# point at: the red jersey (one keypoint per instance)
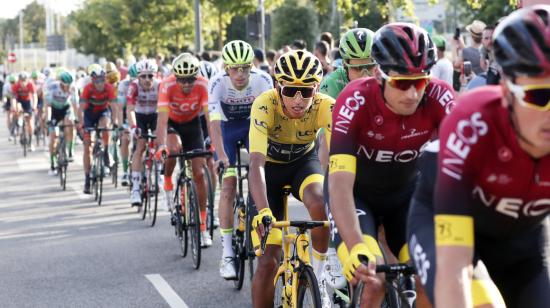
(97, 101)
(182, 107)
(380, 146)
(483, 172)
(23, 93)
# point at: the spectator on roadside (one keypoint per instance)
(163, 71)
(443, 68)
(205, 56)
(487, 61)
(123, 70)
(327, 37)
(298, 44)
(270, 57)
(321, 52)
(336, 58)
(471, 53)
(259, 60)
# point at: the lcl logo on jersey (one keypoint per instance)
(513, 207)
(305, 135)
(466, 134)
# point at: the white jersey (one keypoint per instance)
(6, 90)
(122, 91)
(59, 99)
(226, 103)
(145, 101)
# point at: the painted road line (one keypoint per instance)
(166, 291)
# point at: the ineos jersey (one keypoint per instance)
(378, 145)
(144, 100)
(483, 173)
(227, 103)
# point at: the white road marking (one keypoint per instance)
(166, 291)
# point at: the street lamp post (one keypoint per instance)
(198, 41)
(262, 24)
(21, 58)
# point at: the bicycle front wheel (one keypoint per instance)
(210, 201)
(194, 223)
(308, 289)
(250, 255)
(238, 244)
(101, 175)
(154, 189)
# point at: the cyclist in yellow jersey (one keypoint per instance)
(283, 126)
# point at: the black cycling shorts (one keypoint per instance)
(26, 106)
(298, 174)
(146, 121)
(190, 134)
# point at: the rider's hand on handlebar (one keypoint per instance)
(135, 131)
(257, 222)
(162, 152)
(354, 268)
(223, 162)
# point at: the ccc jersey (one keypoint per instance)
(484, 174)
(281, 139)
(182, 107)
(97, 101)
(227, 103)
(378, 145)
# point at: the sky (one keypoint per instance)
(10, 8)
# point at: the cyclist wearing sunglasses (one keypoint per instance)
(492, 194)
(95, 101)
(380, 126)
(61, 101)
(231, 93)
(25, 95)
(122, 91)
(283, 127)
(355, 49)
(142, 97)
(181, 98)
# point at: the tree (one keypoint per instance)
(293, 21)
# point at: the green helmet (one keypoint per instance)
(132, 71)
(356, 44)
(34, 75)
(11, 78)
(237, 52)
(65, 77)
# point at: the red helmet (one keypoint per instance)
(404, 48)
(521, 42)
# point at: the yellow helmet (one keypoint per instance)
(110, 67)
(299, 67)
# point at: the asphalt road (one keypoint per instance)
(59, 249)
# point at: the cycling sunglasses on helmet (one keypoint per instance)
(404, 83)
(535, 96)
(291, 91)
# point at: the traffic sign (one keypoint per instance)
(11, 57)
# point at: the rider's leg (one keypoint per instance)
(199, 178)
(137, 164)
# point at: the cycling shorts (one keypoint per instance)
(39, 103)
(190, 134)
(232, 132)
(7, 105)
(26, 106)
(146, 121)
(58, 115)
(91, 119)
(204, 126)
(373, 210)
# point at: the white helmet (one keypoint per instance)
(207, 69)
(185, 65)
(146, 67)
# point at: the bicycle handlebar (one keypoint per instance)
(191, 154)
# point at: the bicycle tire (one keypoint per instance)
(308, 289)
(95, 177)
(148, 186)
(62, 164)
(100, 179)
(194, 223)
(23, 138)
(210, 202)
(144, 204)
(114, 170)
(181, 221)
(250, 254)
(156, 175)
(238, 245)
(278, 298)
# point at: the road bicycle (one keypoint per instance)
(150, 180)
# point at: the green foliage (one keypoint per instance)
(488, 11)
(291, 22)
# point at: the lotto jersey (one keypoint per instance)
(59, 99)
(145, 101)
(227, 103)
(334, 83)
(483, 172)
(282, 139)
(182, 107)
(23, 93)
(97, 101)
(378, 145)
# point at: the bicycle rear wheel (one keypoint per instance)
(308, 289)
(101, 175)
(194, 223)
(62, 164)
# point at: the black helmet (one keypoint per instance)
(521, 42)
(404, 48)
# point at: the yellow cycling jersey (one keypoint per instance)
(283, 140)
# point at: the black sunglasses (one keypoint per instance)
(291, 91)
(182, 80)
(149, 76)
